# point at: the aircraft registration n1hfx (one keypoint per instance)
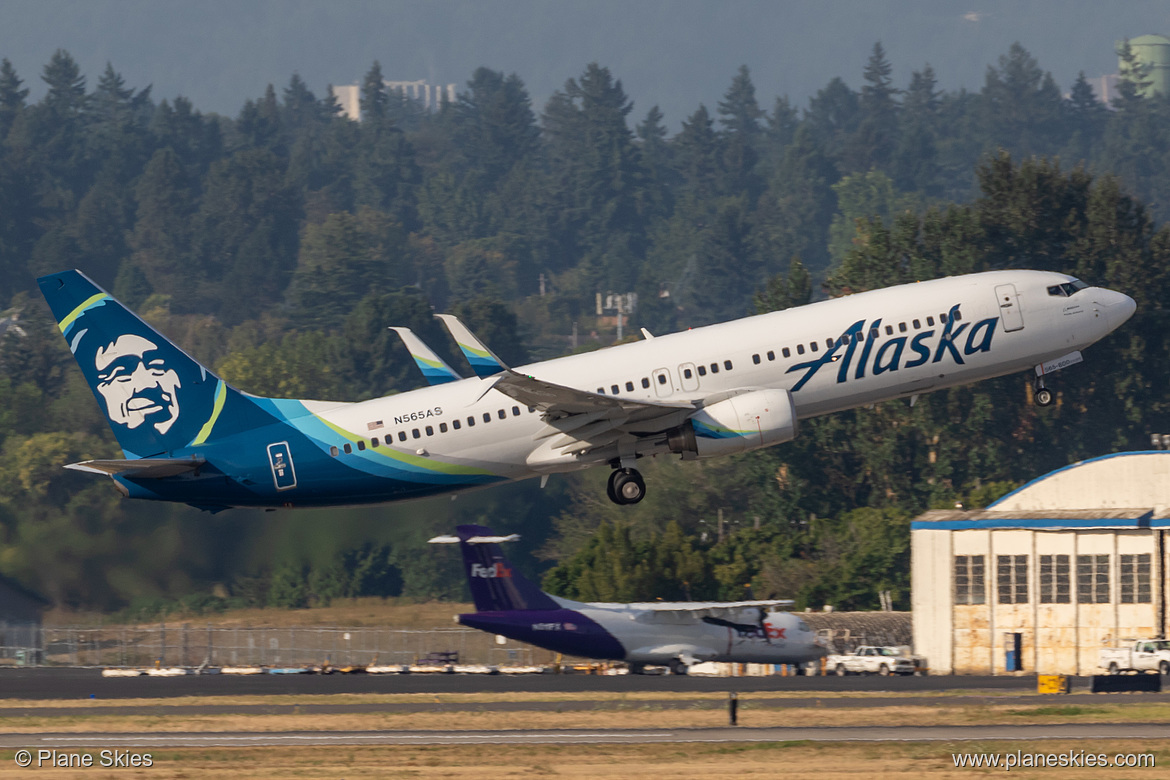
(674, 634)
(188, 436)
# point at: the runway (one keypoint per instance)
(64, 741)
(81, 683)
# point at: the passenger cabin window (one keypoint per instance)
(361, 444)
(470, 422)
(402, 436)
(442, 427)
(930, 322)
(662, 379)
(645, 382)
(814, 346)
(515, 411)
(456, 424)
(348, 449)
(942, 319)
(487, 417)
(702, 371)
(613, 389)
(416, 434)
(374, 442)
(901, 327)
(800, 349)
(756, 359)
(727, 365)
(714, 368)
(687, 373)
(873, 333)
(786, 352)
(629, 387)
(601, 391)
(502, 414)
(917, 324)
(771, 355)
(430, 431)
(333, 451)
(889, 330)
(958, 315)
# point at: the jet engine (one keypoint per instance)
(759, 418)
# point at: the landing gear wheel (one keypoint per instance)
(626, 486)
(1164, 667)
(840, 670)
(637, 668)
(884, 671)
(1043, 396)
(1113, 668)
(677, 666)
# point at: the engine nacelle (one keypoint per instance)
(744, 422)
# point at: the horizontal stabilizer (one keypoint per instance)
(483, 361)
(140, 468)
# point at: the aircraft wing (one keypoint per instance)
(140, 468)
(709, 607)
(433, 369)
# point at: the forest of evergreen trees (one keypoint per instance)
(279, 245)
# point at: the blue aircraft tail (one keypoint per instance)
(495, 585)
(157, 398)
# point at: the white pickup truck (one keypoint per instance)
(869, 659)
(1142, 655)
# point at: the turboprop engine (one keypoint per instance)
(749, 421)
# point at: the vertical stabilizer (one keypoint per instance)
(156, 397)
(495, 585)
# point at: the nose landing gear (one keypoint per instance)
(1041, 393)
(626, 486)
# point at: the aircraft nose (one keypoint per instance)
(1116, 307)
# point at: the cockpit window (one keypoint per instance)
(1067, 289)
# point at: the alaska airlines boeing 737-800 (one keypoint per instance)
(718, 390)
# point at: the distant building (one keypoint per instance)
(20, 623)
(429, 95)
(1153, 51)
(1044, 578)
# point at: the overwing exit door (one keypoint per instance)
(280, 459)
(1009, 307)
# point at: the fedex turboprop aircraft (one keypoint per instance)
(718, 390)
(674, 634)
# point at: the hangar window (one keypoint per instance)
(1054, 579)
(1011, 574)
(969, 587)
(1135, 579)
(1093, 579)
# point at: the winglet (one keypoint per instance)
(483, 361)
(433, 369)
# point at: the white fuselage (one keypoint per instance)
(1007, 321)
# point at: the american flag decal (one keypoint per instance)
(375, 425)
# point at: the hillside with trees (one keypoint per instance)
(278, 246)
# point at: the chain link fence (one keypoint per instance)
(189, 644)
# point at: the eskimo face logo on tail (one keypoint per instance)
(136, 383)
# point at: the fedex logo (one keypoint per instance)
(495, 571)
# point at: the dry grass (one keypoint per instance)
(611, 715)
(798, 760)
(351, 613)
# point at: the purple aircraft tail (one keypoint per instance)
(495, 585)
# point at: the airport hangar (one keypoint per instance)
(1041, 580)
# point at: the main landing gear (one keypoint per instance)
(626, 486)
